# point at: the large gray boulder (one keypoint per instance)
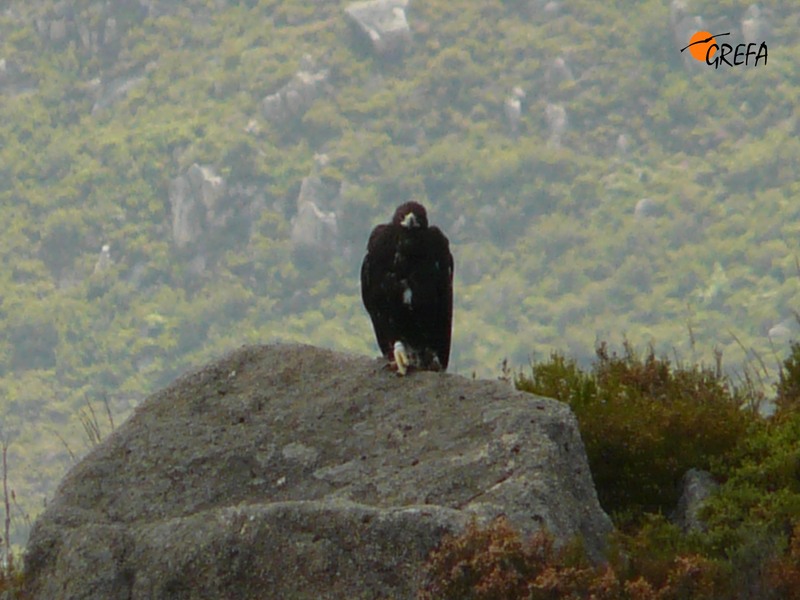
(287, 471)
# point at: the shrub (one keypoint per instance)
(494, 563)
(644, 422)
(11, 580)
(751, 516)
(483, 564)
(783, 574)
(788, 388)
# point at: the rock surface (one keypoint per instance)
(383, 23)
(556, 116)
(313, 227)
(296, 97)
(197, 204)
(287, 471)
(697, 486)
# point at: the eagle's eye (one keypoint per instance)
(410, 220)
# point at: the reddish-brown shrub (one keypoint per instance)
(493, 563)
(783, 573)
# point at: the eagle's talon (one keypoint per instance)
(401, 358)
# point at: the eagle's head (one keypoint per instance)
(411, 215)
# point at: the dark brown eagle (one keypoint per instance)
(407, 288)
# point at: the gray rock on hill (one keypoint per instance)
(287, 471)
(383, 23)
(313, 227)
(295, 98)
(197, 204)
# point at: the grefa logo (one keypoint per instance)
(703, 46)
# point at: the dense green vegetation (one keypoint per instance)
(637, 411)
(103, 105)
(645, 423)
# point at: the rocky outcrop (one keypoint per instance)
(287, 471)
(785, 331)
(103, 260)
(647, 207)
(559, 74)
(697, 486)
(296, 97)
(93, 26)
(684, 24)
(196, 201)
(314, 228)
(383, 23)
(755, 25)
(512, 107)
(557, 122)
(109, 94)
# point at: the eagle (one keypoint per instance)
(407, 289)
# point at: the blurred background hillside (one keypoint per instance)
(181, 178)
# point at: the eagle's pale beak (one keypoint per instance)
(409, 221)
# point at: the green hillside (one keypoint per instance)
(104, 105)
